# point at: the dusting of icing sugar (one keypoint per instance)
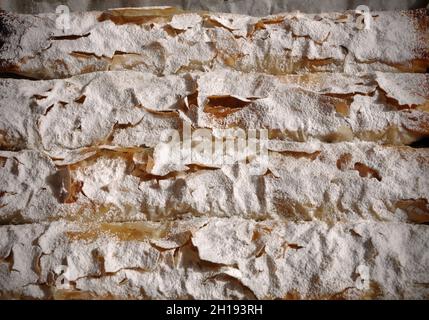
(394, 38)
(92, 207)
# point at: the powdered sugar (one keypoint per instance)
(93, 207)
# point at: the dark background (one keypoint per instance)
(251, 7)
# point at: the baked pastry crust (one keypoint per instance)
(196, 260)
(94, 206)
(133, 108)
(164, 42)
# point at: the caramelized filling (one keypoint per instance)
(139, 16)
(300, 154)
(416, 209)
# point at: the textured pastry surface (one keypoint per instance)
(93, 205)
(163, 41)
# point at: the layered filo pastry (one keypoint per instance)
(152, 153)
